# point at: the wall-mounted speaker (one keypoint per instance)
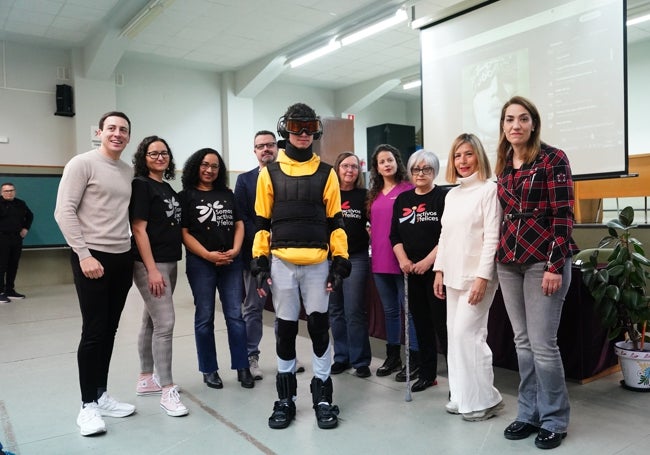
(64, 103)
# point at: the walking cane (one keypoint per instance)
(406, 338)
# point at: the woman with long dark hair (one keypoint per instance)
(535, 189)
(388, 179)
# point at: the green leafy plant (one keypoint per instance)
(619, 288)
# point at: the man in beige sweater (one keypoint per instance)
(92, 213)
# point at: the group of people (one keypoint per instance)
(297, 229)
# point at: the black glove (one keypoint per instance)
(340, 268)
(261, 270)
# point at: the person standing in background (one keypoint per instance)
(347, 307)
(535, 189)
(388, 179)
(265, 148)
(92, 211)
(465, 265)
(155, 215)
(15, 221)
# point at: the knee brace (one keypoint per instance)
(318, 325)
(285, 346)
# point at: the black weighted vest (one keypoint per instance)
(299, 219)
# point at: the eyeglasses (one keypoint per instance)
(205, 166)
(350, 167)
(298, 126)
(269, 145)
(156, 155)
(426, 170)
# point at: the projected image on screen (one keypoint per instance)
(486, 86)
(566, 56)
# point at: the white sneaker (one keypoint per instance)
(109, 407)
(253, 365)
(148, 385)
(452, 407)
(483, 414)
(172, 404)
(90, 421)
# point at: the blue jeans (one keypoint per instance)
(543, 397)
(390, 288)
(348, 316)
(205, 278)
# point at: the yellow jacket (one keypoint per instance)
(264, 199)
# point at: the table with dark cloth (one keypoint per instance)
(586, 351)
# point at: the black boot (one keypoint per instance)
(393, 360)
(321, 394)
(414, 367)
(284, 410)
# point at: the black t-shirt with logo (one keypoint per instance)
(416, 222)
(210, 217)
(355, 218)
(158, 204)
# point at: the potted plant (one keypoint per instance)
(619, 290)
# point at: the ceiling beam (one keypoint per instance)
(253, 78)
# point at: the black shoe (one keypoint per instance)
(326, 415)
(213, 380)
(339, 367)
(4, 298)
(363, 372)
(401, 376)
(393, 361)
(548, 439)
(245, 377)
(13, 295)
(284, 411)
(423, 384)
(519, 430)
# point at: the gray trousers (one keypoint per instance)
(158, 317)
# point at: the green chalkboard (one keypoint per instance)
(39, 193)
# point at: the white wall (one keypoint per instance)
(27, 105)
(180, 105)
(638, 98)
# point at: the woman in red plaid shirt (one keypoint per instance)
(535, 189)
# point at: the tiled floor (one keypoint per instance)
(39, 399)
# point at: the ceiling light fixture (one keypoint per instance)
(412, 84)
(144, 18)
(398, 17)
(333, 45)
(638, 20)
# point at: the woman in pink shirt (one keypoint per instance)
(387, 180)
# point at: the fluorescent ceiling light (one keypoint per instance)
(399, 16)
(144, 18)
(313, 55)
(412, 84)
(638, 20)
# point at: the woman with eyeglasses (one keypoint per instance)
(414, 234)
(388, 179)
(347, 306)
(155, 216)
(213, 233)
(465, 266)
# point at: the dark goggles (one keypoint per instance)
(298, 126)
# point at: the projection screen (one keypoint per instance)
(568, 57)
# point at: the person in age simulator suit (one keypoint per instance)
(299, 224)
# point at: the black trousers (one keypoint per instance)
(101, 302)
(11, 246)
(430, 319)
